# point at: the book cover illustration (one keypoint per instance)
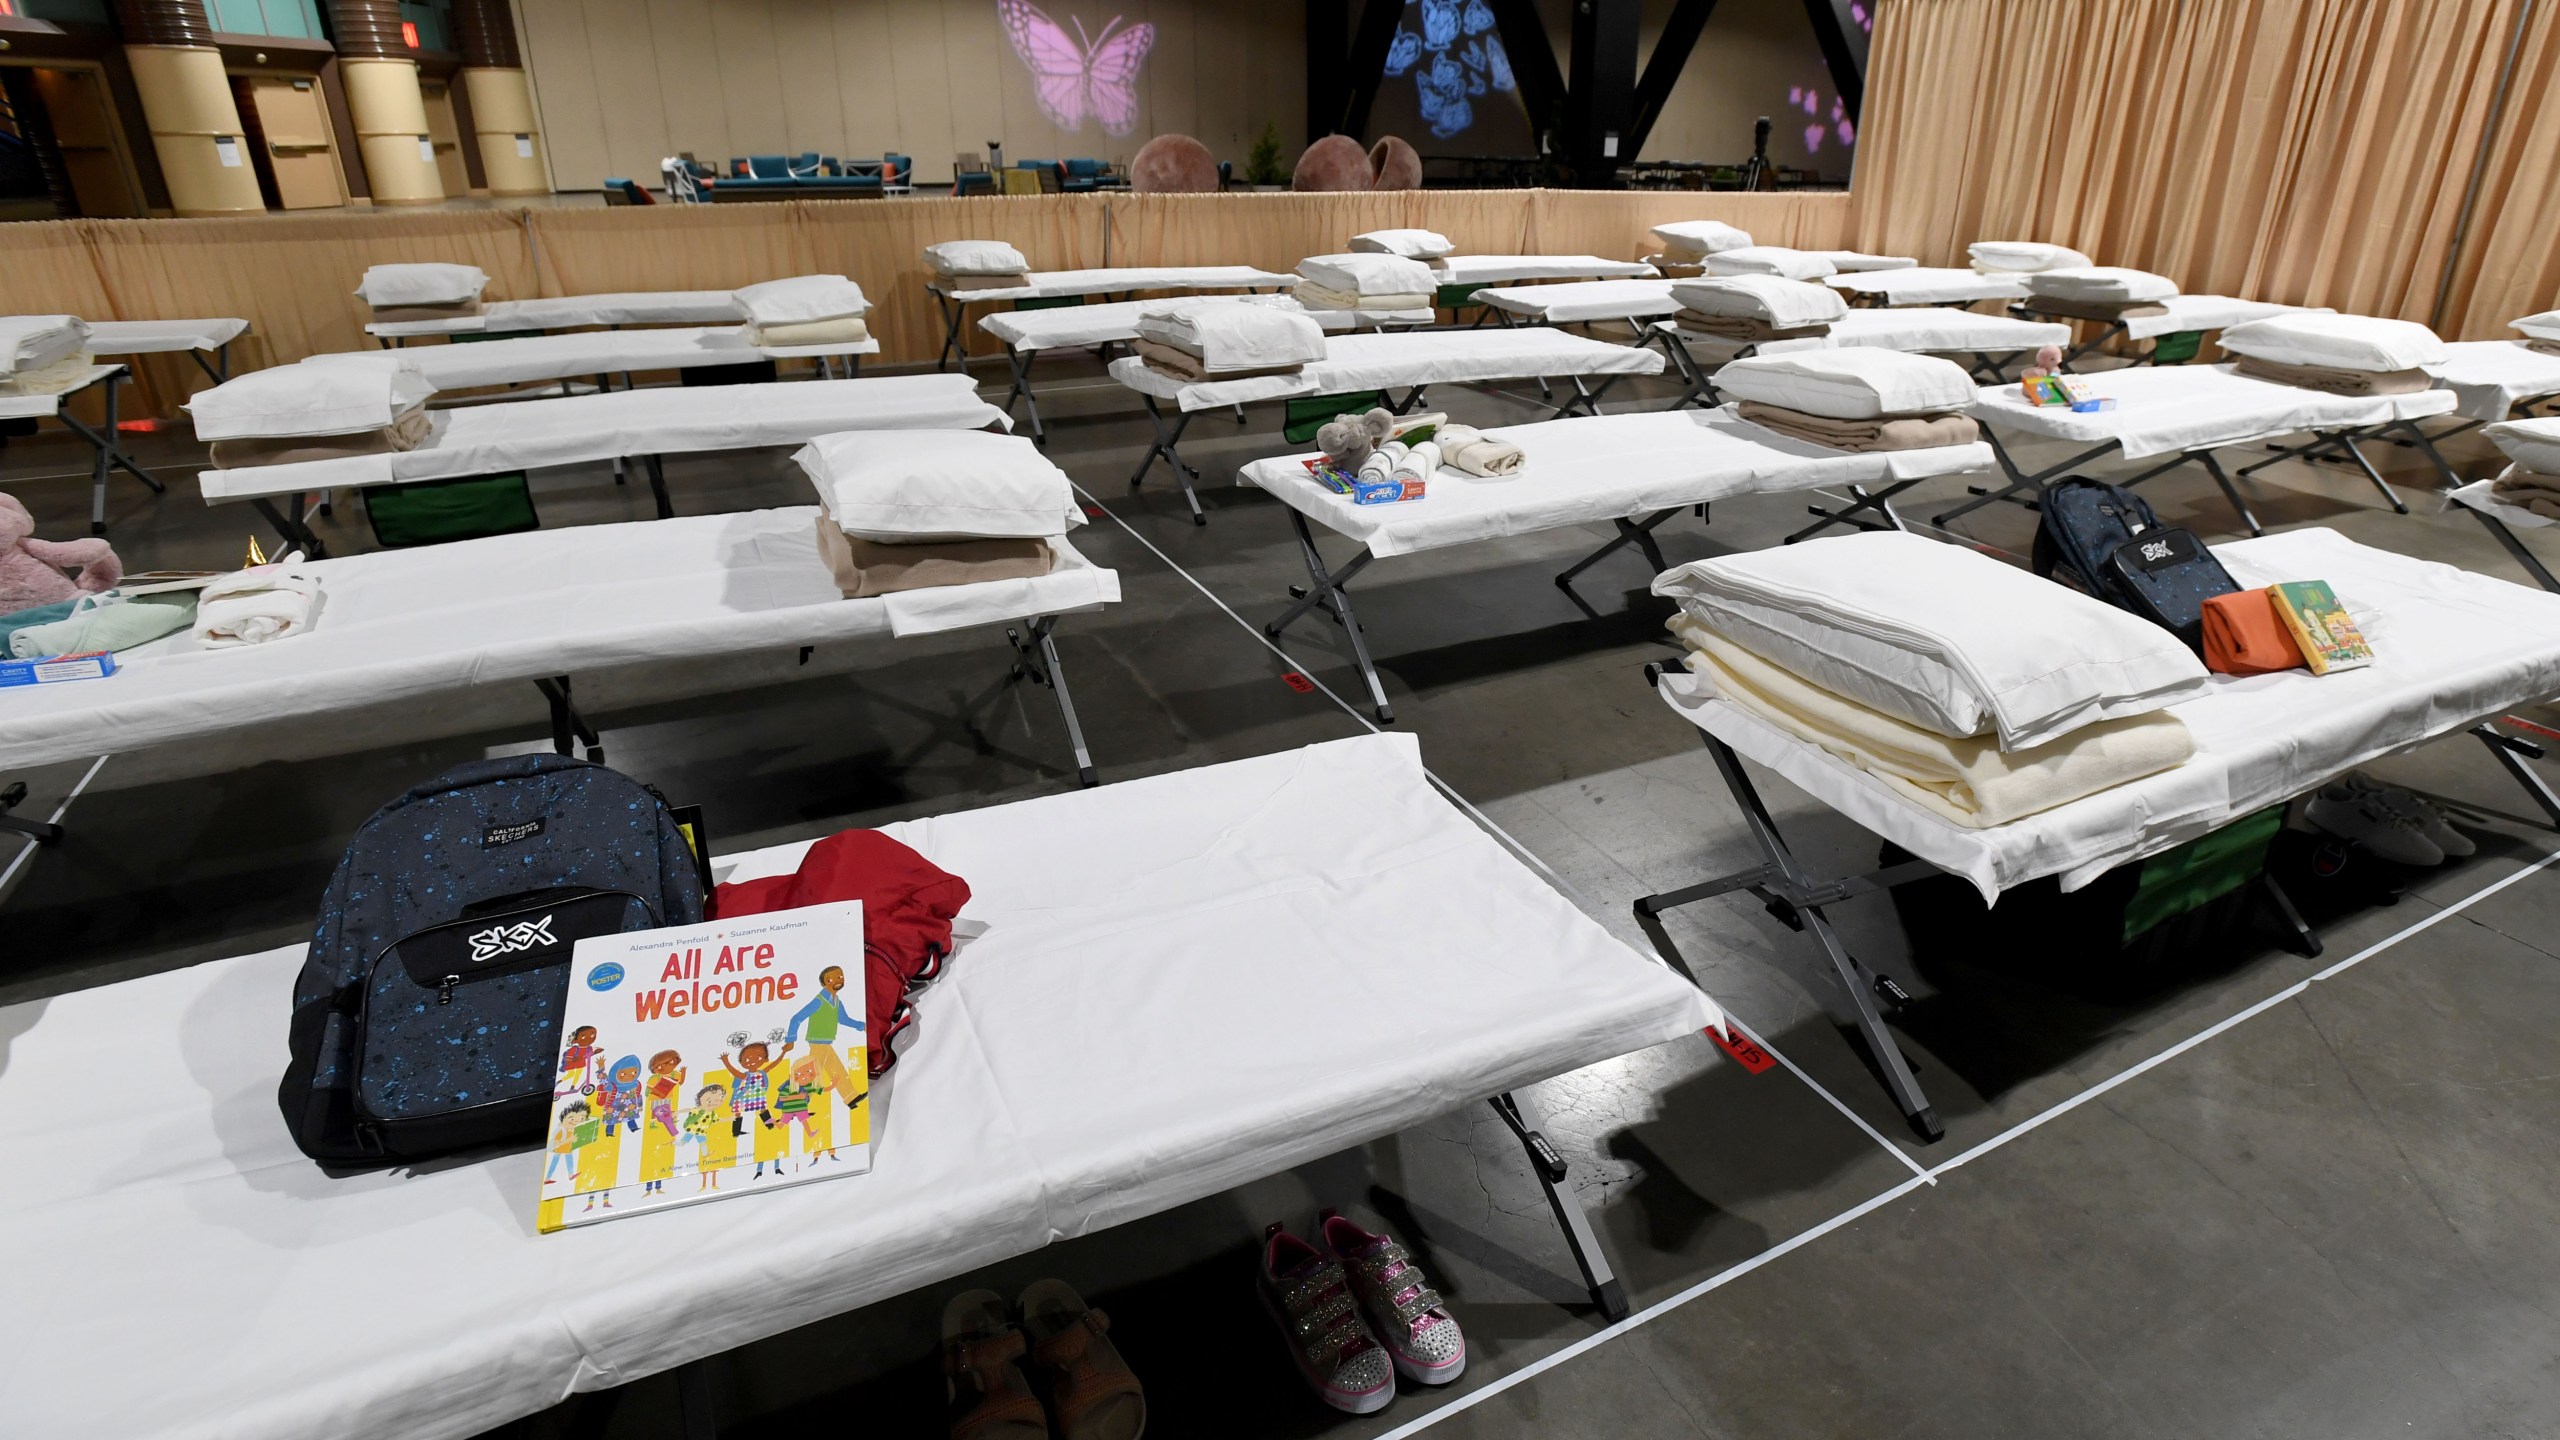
(704, 1061)
(2326, 633)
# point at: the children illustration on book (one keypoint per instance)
(574, 1117)
(666, 1081)
(624, 1107)
(824, 1015)
(575, 1058)
(705, 1123)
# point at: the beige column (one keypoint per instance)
(382, 97)
(501, 98)
(186, 100)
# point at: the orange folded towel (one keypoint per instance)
(2243, 636)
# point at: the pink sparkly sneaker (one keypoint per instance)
(1421, 1336)
(1310, 1298)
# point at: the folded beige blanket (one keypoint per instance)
(1963, 782)
(394, 314)
(2536, 492)
(1888, 432)
(1183, 365)
(867, 567)
(2100, 310)
(1467, 448)
(984, 282)
(2547, 347)
(1317, 297)
(50, 379)
(844, 330)
(1748, 329)
(2329, 380)
(406, 433)
(1686, 267)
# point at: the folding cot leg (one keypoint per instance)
(39, 831)
(2512, 751)
(2019, 480)
(217, 374)
(1549, 1164)
(1638, 533)
(693, 1400)
(1166, 441)
(1036, 660)
(2348, 444)
(2230, 491)
(1862, 500)
(953, 313)
(290, 525)
(2427, 443)
(2103, 336)
(2515, 546)
(2305, 940)
(1021, 365)
(1331, 593)
(1794, 897)
(658, 487)
(566, 723)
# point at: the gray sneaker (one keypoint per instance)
(2353, 809)
(2431, 822)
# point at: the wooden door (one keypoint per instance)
(445, 133)
(300, 148)
(84, 131)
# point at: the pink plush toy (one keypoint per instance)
(33, 572)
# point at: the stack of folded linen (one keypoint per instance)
(2337, 354)
(42, 354)
(294, 413)
(1855, 399)
(2101, 292)
(1686, 244)
(1470, 451)
(912, 510)
(2541, 332)
(2533, 481)
(1222, 339)
(1411, 244)
(977, 265)
(1365, 280)
(1751, 309)
(1854, 262)
(805, 310)
(2024, 257)
(400, 293)
(258, 606)
(1775, 260)
(1967, 687)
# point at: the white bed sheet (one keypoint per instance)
(2491, 377)
(1171, 909)
(563, 312)
(45, 407)
(1920, 329)
(1582, 301)
(1506, 269)
(2164, 409)
(2482, 495)
(1393, 360)
(586, 352)
(2451, 648)
(1603, 467)
(1056, 284)
(2208, 312)
(1076, 326)
(533, 434)
(399, 623)
(162, 337)
(1930, 285)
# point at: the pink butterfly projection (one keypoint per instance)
(1074, 74)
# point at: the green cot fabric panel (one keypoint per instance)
(1308, 413)
(2177, 348)
(437, 511)
(2201, 871)
(1452, 297)
(1053, 302)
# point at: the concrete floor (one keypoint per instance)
(2236, 1192)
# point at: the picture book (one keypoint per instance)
(704, 1061)
(2321, 626)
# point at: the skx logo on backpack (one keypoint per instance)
(507, 939)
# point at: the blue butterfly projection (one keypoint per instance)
(1446, 72)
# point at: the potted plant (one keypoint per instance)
(1262, 168)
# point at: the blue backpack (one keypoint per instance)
(2106, 540)
(426, 1018)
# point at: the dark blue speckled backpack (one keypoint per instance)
(426, 1019)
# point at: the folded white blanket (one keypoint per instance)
(1366, 273)
(256, 606)
(421, 284)
(1231, 336)
(1784, 304)
(47, 379)
(2545, 326)
(801, 299)
(1696, 239)
(975, 257)
(1971, 783)
(34, 342)
(1775, 260)
(1411, 244)
(2105, 284)
(2022, 257)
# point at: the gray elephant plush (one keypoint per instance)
(1349, 439)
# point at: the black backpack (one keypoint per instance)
(427, 1016)
(2107, 540)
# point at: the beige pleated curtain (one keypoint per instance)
(2311, 151)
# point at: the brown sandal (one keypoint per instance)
(989, 1398)
(1091, 1393)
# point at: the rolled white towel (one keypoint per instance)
(1464, 447)
(1421, 461)
(1382, 462)
(256, 606)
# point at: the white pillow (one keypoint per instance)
(1227, 335)
(1770, 260)
(1695, 238)
(342, 399)
(2533, 444)
(912, 487)
(1370, 274)
(1411, 244)
(1939, 635)
(1786, 304)
(2338, 342)
(2024, 256)
(2545, 326)
(1859, 383)
(422, 284)
(975, 257)
(2106, 284)
(32, 342)
(1853, 262)
(801, 299)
